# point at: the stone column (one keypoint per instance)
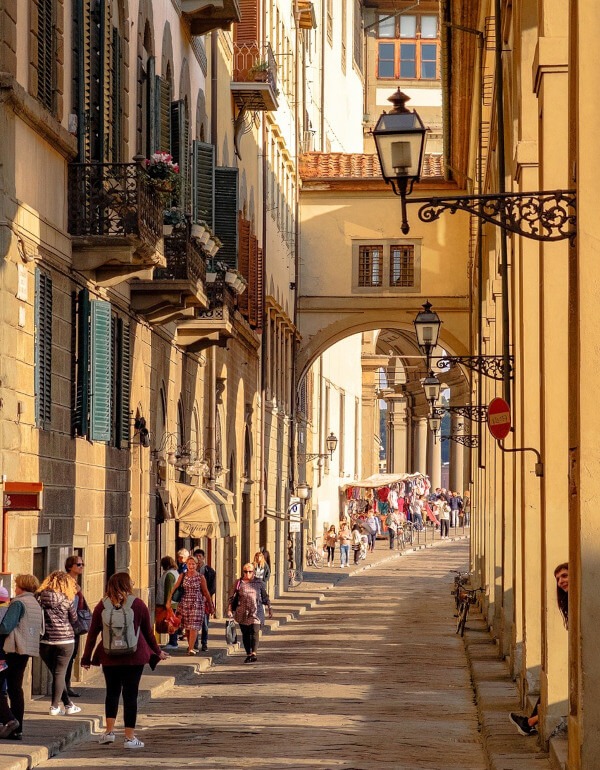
(397, 433)
(434, 460)
(457, 454)
(419, 458)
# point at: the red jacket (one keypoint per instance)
(147, 650)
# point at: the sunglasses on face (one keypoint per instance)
(248, 571)
(80, 564)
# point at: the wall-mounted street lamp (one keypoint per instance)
(400, 139)
(331, 442)
(303, 491)
(432, 387)
(427, 328)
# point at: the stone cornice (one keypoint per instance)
(36, 116)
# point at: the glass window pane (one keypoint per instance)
(429, 26)
(428, 61)
(387, 25)
(408, 64)
(408, 26)
(385, 67)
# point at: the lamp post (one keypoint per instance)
(331, 442)
(427, 325)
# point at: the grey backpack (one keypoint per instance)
(119, 636)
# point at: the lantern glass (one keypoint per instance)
(332, 443)
(432, 387)
(427, 327)
(434, 424)
(400, 138)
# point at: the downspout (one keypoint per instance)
(501, 190)
(214, 42)
(322, 105)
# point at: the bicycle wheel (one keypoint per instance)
(294, 577)
(317, 558)
(310, 559)
(462, 618)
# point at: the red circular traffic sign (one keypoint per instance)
(498, 418)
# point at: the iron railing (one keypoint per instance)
(220, 297)
(114, 200)
(254, 63)
(185, 259)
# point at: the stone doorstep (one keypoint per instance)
(559, 752)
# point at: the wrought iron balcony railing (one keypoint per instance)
(112, 200)
(254, 84)
(222, 301)
(185, 259)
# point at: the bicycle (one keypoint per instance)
(405, 534)
(295, 577)
(468, 596)
(314, 557)
(460, 580)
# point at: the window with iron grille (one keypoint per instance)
(402, 265)
(46, 53)
(43, 349)
(370, 266)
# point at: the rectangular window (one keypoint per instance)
(370, 266)
(429, 26)
(386, 64)
(46, 53)
(428, 61)
(43, 349)
(408, 60)
(402, 265)
(344, 25)
(358, 36)
(387, 25)
(408, 26)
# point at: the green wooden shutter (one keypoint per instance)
(203, 185)
(117, 100)
(180, 149)
(46, 53)
(226, 213)
(163, 114)
(82, 365)
(43, 348)
(100, 370)
(151, 112)
(123, 400)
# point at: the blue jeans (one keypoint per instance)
(418, 521)
(202, 638)
(344, 554)
(392, 535)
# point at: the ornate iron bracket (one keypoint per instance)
(466, 440)
(314, 456)
(544, 215)
(489, 366)
(474, 413)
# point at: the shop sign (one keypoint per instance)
(21, 496)
(295, 514)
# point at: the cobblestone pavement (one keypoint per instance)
(373, 676)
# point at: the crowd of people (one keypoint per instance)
(47, 620)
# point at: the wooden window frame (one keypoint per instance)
(366, 266)
(418, 41)
(405, 268)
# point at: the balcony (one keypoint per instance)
(206, 15)
(213, 326)
(115, 220)
(254, 84)
(176, 289)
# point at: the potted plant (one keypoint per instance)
(259, 72)
(213, 245)
(200, 230)
(162, 171)
(173, 217)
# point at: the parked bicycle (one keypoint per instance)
(314, 556)
(460, 579)
(295, 577)
(405, 535)
(468, 596)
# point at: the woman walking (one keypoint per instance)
(191, 608)
(344, 541)
(164, 589)
(74, 568)
(20, 628)
(355, 541)
(261, 568)
(443, 514)
(56, 595)
(122, 673)
(329, 541)
(247, 599)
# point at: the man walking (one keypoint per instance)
(211, 583)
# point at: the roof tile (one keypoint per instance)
(340, 165)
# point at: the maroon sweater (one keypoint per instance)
(147, 650)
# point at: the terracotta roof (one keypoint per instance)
(340, 165)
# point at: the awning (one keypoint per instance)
(196, 512)
(223, 499)
(381, 480)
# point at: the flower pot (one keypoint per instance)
(231, 278)
(199, 232)
(214, 247)
(205, 237)
(167, 230)
(241, 288)
(211, 277)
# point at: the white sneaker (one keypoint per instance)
(171, 647)
(72, 709)
(107, 738)
(133, 743)
(56, 711)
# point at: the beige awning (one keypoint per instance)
(196, 511)
(223, 499)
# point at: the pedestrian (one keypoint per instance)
(261, 568)
(528, 725)
(164, 589)
(122, 673)
(456, 505)
(8, 723)
(344, 541)
(20, 628)
(330, 538)
(74, 567)
(416, 509)
(195, 598)
(467, 508)
(355, 541)
(247, 599)
(392, 522)
(211, 583)
(443, 513)
(56, 596)
(371, 529)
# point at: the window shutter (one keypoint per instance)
(246, 30)
(100, 370)
(163, 114)
(256, 285)
(203, 191)
(152, 113)
(82, 365)
(226, 213)
(46, 54)
(124, 384)
(116, 87)
(180, 149)
(43, 348)
(244, 262)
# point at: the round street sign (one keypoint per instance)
(498, 418)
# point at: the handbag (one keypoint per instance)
(173, 622)
(177, 594)
(84, 621)
(235, 599)
(230, 632)
(166, 621)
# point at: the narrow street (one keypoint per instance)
(373, 677)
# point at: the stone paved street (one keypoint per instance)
(372, 677)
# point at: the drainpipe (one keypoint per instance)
(501, 190)
(214, 44)
(323, 35)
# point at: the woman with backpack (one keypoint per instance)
(127, 644)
